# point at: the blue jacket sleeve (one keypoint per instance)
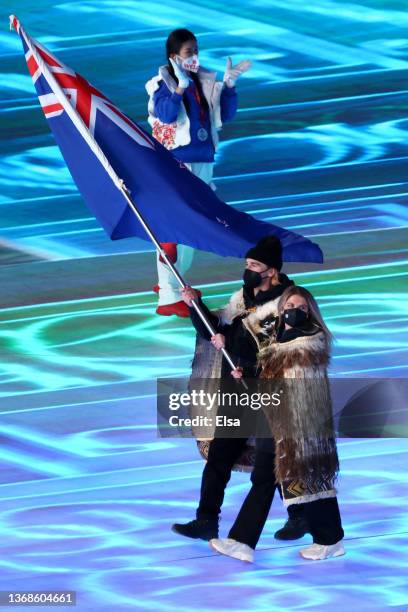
(166, 104)
(229, 103)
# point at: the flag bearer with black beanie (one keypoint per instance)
(241, 327)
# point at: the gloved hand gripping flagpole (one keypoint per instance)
(119, 183)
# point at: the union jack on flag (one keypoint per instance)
(105, 150)
(85, 98)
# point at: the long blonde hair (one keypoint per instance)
(315, 316)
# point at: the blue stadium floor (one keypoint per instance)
(88, 496)
(88, 491)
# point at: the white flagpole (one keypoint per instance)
(119, 183)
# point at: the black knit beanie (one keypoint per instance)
(268, 251)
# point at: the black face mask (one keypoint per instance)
(295, 317)
(252, 279)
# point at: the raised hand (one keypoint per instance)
(180, 74)
(188, 294)
(233, 72)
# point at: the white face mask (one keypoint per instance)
(191, 63)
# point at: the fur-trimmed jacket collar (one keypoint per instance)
(257, 320)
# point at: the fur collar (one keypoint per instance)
(253, 320)
(236, 307)
(302, 352)
(314, 343)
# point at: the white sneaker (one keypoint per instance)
(317, 552)
(232, 548)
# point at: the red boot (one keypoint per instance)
(170, 248)
(178, 308)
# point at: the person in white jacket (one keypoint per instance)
(187, 106)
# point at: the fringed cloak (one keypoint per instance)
(207, 363)
(306, 461)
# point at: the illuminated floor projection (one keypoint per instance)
(320, 146)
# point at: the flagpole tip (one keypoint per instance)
(13, 22)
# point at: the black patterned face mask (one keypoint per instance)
(295, 317)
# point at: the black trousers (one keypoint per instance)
(222, 455)
(322, 515)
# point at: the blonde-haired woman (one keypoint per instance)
(301, 454)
